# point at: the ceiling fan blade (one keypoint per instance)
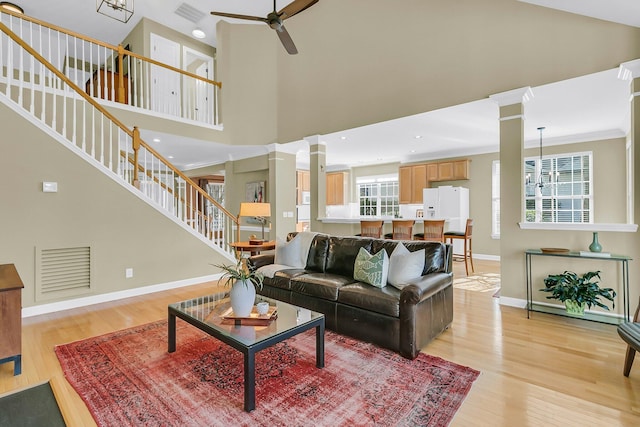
(286, 40)
(233, 15)
(295, 7)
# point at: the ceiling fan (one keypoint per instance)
(274, 20)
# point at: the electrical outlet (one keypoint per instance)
(128, 273)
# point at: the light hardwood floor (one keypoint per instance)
(543, 371)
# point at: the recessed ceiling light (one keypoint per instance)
(343, 138)
(413, 151)
(156, 139)
(170, 157)
(198, 33)
(418, 136)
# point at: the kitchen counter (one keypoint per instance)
(331, 220)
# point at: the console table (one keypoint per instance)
(622, 259)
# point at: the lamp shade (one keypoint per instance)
(255, 209)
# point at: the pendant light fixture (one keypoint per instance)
(120, 10)
(540, 181)
(11, 6)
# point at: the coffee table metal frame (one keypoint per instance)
(248, 350)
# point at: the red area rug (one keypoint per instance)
(127, 378)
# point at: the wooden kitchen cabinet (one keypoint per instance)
(336, 187)
(411, 180)
(461, 169)
(453, 170)
(11, 317)
(303, 184)
(432, 172)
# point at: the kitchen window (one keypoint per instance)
(378, 197)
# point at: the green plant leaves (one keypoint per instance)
(581, 289)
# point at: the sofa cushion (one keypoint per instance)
(385, 300)
(372, 269)
(282, 278)
(435, 254)
(405, 266)
(318, 253)
(320, 285)
(289, 253)
(342, 254)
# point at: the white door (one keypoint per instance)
(199, 96)
(165, 84)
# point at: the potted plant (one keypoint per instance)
(243, 283)
(577, 291)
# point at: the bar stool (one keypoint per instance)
(402, 230)
(466, 235)
(371, 228)
(433, 231)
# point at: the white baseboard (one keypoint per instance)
(113, 296)
(487, 257)
(513, 302)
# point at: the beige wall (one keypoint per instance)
(88, 209)
(439, 54)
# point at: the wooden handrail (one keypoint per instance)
(111, 117)
(119, 48)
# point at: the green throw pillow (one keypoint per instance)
(371, 269)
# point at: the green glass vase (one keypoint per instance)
(595, 246)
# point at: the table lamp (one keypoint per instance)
(257, 210)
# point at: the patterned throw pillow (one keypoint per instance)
(405, 266)
(371, 269)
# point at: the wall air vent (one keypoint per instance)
(190, 13)
(62, 272)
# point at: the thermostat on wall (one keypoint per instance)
(49, 187)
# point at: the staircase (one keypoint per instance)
(35, 80)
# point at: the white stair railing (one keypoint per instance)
(112, 73)
(37, 87)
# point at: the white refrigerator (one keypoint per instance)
(448, 203)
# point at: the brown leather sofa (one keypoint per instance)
(403, 321)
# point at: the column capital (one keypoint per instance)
(515, 96)
(629, 70)
(314, 140)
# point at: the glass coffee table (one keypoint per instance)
(206, 313)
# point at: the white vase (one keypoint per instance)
(243, 295)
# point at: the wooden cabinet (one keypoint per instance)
(412, 179)
(104, 84)
(404, 182)
(432, 172)
(453, 170)
(303, 185)
(11, 317)
(461, 169)
(445, 171)
(336, 187)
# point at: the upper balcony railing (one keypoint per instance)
(112, 73)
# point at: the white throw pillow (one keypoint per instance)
(404, 266)
(371, 269)
(288, 253)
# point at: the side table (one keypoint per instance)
(253, 248)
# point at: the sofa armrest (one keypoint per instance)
(256, 261)
(427, 285)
